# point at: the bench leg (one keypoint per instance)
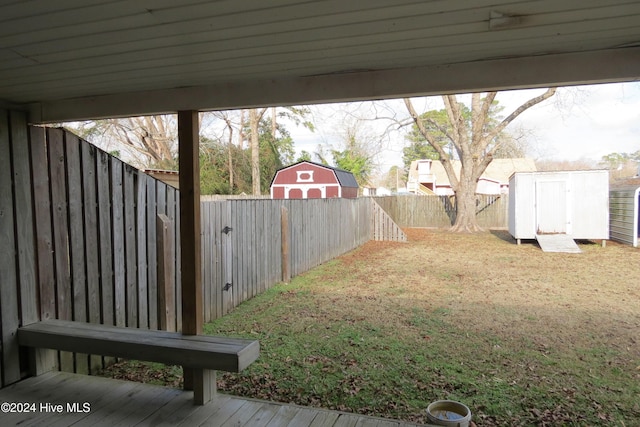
(42, 360)
(202, 382)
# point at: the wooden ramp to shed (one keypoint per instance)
(557, 243)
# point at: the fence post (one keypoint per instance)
(166, 274)
(284, 230)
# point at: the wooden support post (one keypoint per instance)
(190, 260)
(204, 385)
(166, 253)
(284, 226)
(190, 251)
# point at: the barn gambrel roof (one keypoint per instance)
(345, 178)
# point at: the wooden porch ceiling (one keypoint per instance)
(73, 59)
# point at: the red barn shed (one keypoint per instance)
(309, 180)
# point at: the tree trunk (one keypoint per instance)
(230, 154)
(274, 123)
(254, 120)
(466, 221)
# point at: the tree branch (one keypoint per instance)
(457, 123)
(530, 103)
(444, 157)
(480, 114)
(423, 130)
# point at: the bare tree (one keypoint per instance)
(147, 141)
(230, 126)
(152, 140)
(475, 141)
(255, 115)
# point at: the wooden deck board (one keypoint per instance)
(98, 400)
(347, 420)
(176, 410)
(264, 415)
(132, 410)
(240, 417)
(283, 417)
(115, 402)
(224, 407)
(302, 418)
(324, 419)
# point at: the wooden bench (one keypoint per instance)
(173, 348)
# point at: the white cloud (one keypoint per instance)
(591, 121)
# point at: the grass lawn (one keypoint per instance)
(520, 336)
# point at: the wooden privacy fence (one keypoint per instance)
(440, 211)
(77, 237)
(86, 237)
(242, 243)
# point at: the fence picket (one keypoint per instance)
(9, 302)
(76, 239)
(105, 235)
(131, 289)
(117, 205)
(152, 252)
(43, 215)
(24, 232)
(92, 255)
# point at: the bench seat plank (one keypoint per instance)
(201, 351)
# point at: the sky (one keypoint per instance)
(581, 123)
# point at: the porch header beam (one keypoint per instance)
(614, 65)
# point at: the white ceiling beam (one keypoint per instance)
(613, 65)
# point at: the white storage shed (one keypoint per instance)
(624, 204)
(570, 203)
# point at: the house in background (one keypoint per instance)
(309, 180)
(429, 176)
(375, 191)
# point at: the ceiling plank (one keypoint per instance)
(184, 58)
(268, 27)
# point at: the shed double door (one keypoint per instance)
(551, 207)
